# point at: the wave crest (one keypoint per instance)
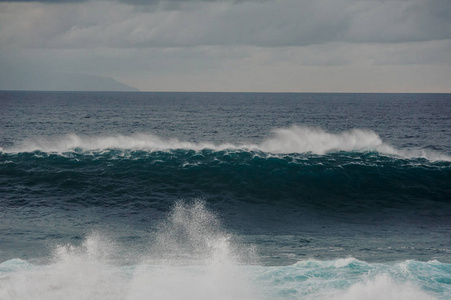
(317, 141)
(295, 139)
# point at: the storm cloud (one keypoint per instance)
(198, 23)
(218, 36)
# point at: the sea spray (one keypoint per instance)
(297, 139)
(193, 258)
(190, 257)
(294, 139)
(73, 272)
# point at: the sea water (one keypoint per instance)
(225, 196)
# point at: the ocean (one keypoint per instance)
(130, 195)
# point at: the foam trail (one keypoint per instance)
(295, 139)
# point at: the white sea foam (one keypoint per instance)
(383, 287)
(85, 272)
(317, 141)
(191, 258)
(352, 279)
(75, 273)
(294, 139)
(71, 142)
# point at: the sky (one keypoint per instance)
(227, 45)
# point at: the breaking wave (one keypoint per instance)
(192, 257)
(295, 139)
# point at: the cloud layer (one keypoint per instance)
(255, 23)
(130, 36)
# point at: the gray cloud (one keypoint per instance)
(45, 1)
(399, 21)
(194, 23)
(289, 45)
(169, 3)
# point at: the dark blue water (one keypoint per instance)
(291, 196)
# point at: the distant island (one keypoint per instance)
(53, 81)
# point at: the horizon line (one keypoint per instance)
(212, 92)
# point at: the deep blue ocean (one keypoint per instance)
(225, 196)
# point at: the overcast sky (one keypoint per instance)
(226, 45)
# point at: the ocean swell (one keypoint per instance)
(346, 182)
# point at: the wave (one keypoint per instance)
(342, 182)
(295, 139)
(191, 256)
(317, 141)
